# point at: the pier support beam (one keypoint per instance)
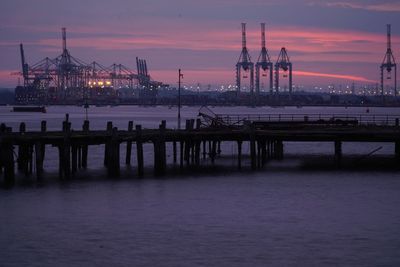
(129, 145)
(253, 155)
(8, 162)
(85, 129)
(160, 151)
(338, 152)
(107, 144)
(239, 143)
(113, 164)
(65, 151)
(39, 160)
(397, 149)
(74, 159)
(139, 150)
(174, 151)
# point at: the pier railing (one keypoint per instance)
(360, 119)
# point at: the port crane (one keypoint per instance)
(244, 64)
(389, 64)
(264, 63)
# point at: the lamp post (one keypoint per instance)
(179, 99)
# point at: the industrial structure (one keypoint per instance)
(244, 63)
(283, 63)
(263, 63)
(263, 67)
(68, 80)
(389, 64)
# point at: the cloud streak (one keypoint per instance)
(379, 7)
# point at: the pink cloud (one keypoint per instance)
(225, 76)
(9, 78)
(383, 7)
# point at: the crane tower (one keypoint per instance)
(263, 63)
(388, 64)
(283, 63)
(244, 63)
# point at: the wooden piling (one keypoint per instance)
(85, 128)
(160, 151)
(174, 151)
(22, 149)
(129, 145)
(187, 144)
(204, 149)
(43, 129)
(107, 144)
(338, 152)
(66, 148)
(113, 160)
(263, 152)
(39, 160)
(213, 151)
(139, 150)
(7, 149)
(239, 143)
(258, 144)
(181, 153)
(397, 149)
(29, 168)
(74, 159)
(253, 149)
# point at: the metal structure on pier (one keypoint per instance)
(244, 63)
(66, 78)
(264, 64)
(283, 63)
(389, 64)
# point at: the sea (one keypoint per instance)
(296, 212)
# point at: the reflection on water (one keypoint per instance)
(285, 215)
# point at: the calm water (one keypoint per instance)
(284, 215)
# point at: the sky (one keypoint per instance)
(328, 41)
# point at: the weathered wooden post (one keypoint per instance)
(43, 129)
(79, 156)
(139, 149)
(204, 149)
(213, 151)
(107, 144)
(113, 164)
(239, 143)
(258, 144)
(39, 160)
(397, 149)
(29, 169)
(67, 147)
(160, 151)
(280, 149)
(8, 160)
(263, 152)
(60, 161)
(181, 153)
(219, 148)
(174, 151)
(338, 152)
(253, 148)
(74, 158)
(85, 129)
(187, 143)
(22, 151)
(129, 144)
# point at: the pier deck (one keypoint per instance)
(265, 140)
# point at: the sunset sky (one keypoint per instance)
(329, 42)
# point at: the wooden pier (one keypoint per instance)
(24, 150)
